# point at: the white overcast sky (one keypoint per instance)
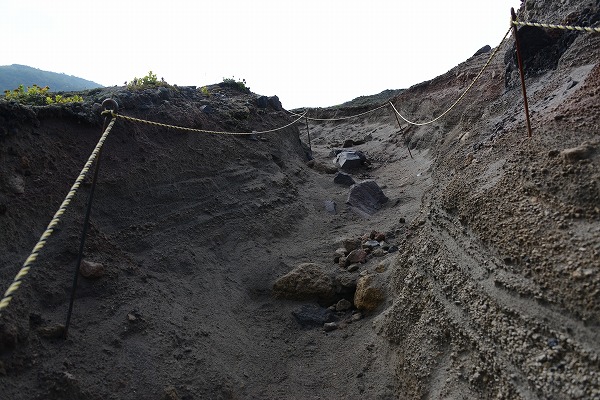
(309, 53)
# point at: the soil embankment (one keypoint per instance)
(488, 287)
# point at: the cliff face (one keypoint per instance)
(493, 292)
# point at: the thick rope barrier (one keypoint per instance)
(340, 118)
(115, 115)
(562, 27)
(489, 61)
(8, 295)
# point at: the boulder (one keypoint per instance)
(262, 102)
(308, 281)
(275, 103)
(369, 293)
(485, 49)
(367, 197)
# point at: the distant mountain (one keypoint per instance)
(11, 76)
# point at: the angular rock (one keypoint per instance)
(343, 262)
(370, 244)
(348, 143)
(330, 326)
(307, 281)
(311, 315)
(348, 160)
(342, 178)
(378, 252)
(367, 197)
(580, 152)
(369, 293)
(91, 270)
(330, 206)
(357, 256)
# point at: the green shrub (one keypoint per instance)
(204, 90)
(39, 96)
(236, 84)
(147, 81)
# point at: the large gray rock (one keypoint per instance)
(367, 197)
(307, 281)
(350, 159)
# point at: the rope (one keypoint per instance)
(464, 93)
(8, 295)
(115, 115)
(563, 27)
(340, 118)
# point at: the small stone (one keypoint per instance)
(170, 393)
(580, 152)
(348, 143)
(380, 268)
(343, 261)
(370, 244)
(353, 267)
(330, 326)
(379, 252)
(402, 220)
(393, 249)
(356, 317)
(330, 206)
(91, 270)
(52, 331)
(131, 317)
(352, 244)
(380, 237)
(343, 305)
(342, 178)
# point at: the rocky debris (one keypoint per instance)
(581, 152)
(307, 281)
(369, 293)
(91, 269)
(342, 178)
(262, 102)
(312, 315)
(330, 206)
(367, 197)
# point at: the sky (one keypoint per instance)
(310, 53)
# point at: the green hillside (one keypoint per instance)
(11, 76)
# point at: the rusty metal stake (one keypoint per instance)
(400, 127)
(521, 72)
(108, 104)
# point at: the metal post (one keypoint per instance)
(107, 104)
(521, 72)
(308, 131)
(400, 127)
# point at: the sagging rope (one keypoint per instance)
(8, 295)
(115, 115)
(339, 118)
(463, 94)
(562, 27)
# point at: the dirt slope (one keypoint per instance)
(494, 292)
